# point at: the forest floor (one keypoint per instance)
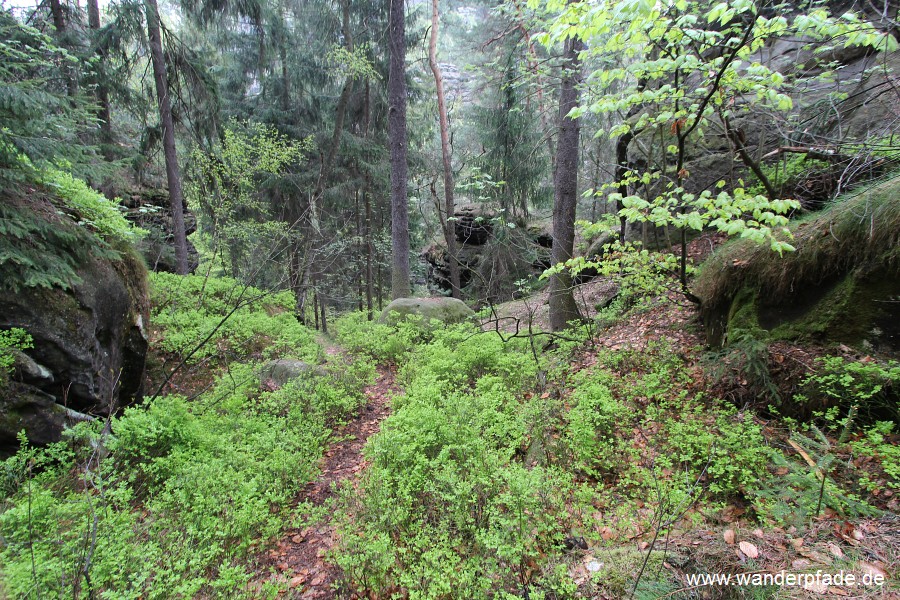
(300, 558)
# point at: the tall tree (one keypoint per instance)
(563, 308)
(104, 112)
(173, 173)
(449, 203)
(400, 287)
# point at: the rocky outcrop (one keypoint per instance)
(445, 310)
(149, 210)
(491, 260)
(89, 347)
(841, 285)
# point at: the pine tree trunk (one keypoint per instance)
(400, 286)
(562, 301)
(173, 173)
(104, 112)
(449, 202)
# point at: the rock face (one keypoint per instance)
(149, 209)
(841, 285)
(491, 258)
(89, 349)
(445, 310)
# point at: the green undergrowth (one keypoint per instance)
(173, 497)
(495, 459)
(201, 317)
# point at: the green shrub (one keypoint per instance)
(15, 338)
(175, 496)
(188, 309)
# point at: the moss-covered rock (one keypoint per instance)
(841, 285)
(88, 339)
(445, 310)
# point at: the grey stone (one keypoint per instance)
(445, 310)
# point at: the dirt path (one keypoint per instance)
(298, 558)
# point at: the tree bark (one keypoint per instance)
(104, 114)
(173, 173)
(449, 202)
(400, 286)
(563, 308)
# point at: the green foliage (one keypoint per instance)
(37, 118)
(876, 444)
(871, 386)
(807, 486)
(90, 208)
(382, 342)
(235, 320)
(172, 499)
(238, 221)
(444, 507)
(11, 339)
(593, 422)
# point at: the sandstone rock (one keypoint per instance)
(281, 371)
(445, 310)
(89, 348)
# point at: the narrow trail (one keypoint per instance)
(299, 557)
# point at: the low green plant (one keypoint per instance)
(870, 385)
(171, 497)
(221, 317)
(15, 338)
(89, 207)
(876, 444)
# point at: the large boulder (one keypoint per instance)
(279, 372)
(445, 310)
(840, 286)
(89, 347)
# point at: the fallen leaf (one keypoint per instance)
(297, 539)
(749, 549)
(797, 543)
(836, 591)
(729, 536)
(835, 550)
(816, 587)
(297, 581)
(871, 569)
(800, 564)
(758, 533)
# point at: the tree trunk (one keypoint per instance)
(562, 301)
(173, 173)
(449, 203)
(104, 112)
(370, 249)
(400, 286)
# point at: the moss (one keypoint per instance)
(837, 285)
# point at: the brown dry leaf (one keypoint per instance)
(797, 543)
(729, 536)
(800, 564)
(816, 587)
(835, 550)
(749, 549)
(297, 539)
(836, 591)
(297, 581)
(758, 533)
(871, 569)
(816, 557)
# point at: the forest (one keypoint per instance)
(459, 299)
